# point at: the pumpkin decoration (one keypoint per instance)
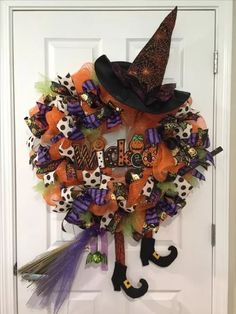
(136, 144)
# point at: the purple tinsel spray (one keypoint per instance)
(55, 287)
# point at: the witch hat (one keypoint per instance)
(139, 84)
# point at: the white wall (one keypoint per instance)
(232, 248)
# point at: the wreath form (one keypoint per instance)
(126, 189)
(160, 167)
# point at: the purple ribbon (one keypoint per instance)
(75, 109)
(182, 171)
(153, 136)
(192, 140)
(154, 197)
(76, 134)
(43, 108)
(81, 204)
(93, 92)
(91, 121)
(197, 174)
(169, 208)
(93, 244)
(89, 86)
(113, 120)
(73, 218)
(151, 216)
(98, 195)
(104, 248)
(193, 164)
(194, 137)
(40, 115)
(43, 154)
(207, 142)
(56, 138)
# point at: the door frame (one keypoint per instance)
(223, 12)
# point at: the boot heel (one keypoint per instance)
(116, 286)
(144, 261)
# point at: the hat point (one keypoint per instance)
(150, 64)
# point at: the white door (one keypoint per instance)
(57, 42)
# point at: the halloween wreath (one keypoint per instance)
(128, 188)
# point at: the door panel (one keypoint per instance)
(57, 42)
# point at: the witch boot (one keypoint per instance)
(119, 278)
(148, 253)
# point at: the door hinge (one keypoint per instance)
(15, 269)
(215, 63)
(213, 235)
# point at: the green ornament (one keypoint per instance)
(97, 257)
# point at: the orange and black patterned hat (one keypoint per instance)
(139, 84)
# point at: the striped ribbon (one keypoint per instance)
(43, 108)
(57, 137)
(75, 109)
(197, 174)
(192, 140)
(81, 204)
(43, 154)
(113, 120)
(76, 134)
(91, 121)
(193, 164)
(97, 195)
(89, 86)
(194, 137)
(40, 115)
(153, 136)
(169, 208)
(154, 197)
(72, 218)
(151, 216)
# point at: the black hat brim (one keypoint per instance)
(109, 80)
